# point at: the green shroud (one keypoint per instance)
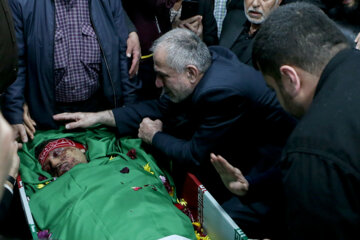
(97, 201)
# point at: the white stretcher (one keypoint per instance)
(216, 222)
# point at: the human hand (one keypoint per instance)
(86, 119)
(232, 177)
(357, 40)
(194, 24)
(6, 149)
(134, 50)
(15, 160)
(148, 128)
(20, 132)
(29, 123)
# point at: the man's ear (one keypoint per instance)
(193, 73)
(290, 80)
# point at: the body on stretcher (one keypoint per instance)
(145, 212)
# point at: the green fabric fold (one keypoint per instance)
(97, 201)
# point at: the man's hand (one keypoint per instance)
(20, 132)
(84, 119)
(15, 160)
(193, 24)
(134, 50)
(357, 40)
(232, 177)
(7, 150)
(29, 123)
(148, 128)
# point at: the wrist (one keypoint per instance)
(107, 118)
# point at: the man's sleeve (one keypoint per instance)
(323, 194)
(14, 95)
(131, 86)
(128, 118)
(129, 23)
(5, 203)
(217, 119)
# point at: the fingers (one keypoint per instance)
(15, 160)
(74, 117)
(65, 116)
(29, 132)
(29, 123)
(357, 40)
(134, 65)
(72, 125)
(221, 165)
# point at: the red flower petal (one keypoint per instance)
(132, 153)
(125, 170)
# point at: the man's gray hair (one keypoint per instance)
(184, 48)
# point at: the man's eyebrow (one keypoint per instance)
(160, 73)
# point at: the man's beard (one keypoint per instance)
(253, 20)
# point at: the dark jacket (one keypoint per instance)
(35, 27)
(233, 26)
(231, 112)
(321, 162)
(149, 16)
(206, 9)
(8, 51)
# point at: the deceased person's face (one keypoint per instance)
(61, 155)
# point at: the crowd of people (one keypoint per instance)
(257, 98)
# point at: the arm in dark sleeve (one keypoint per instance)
(217, 121)
(264, 185)
(206, 9)
(128, 118)
(130, 87)
(129, 23)
(14, 95)
(5, 203)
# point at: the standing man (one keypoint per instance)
(8, 49)
(72, 57)
(211, 102)
(242, 21)
(9, 161)
(315, 73)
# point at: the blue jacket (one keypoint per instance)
(35, 30)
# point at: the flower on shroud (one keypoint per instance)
(42, 178)
(136, 188)
(167, 185)
(132, 153)
(148, 168)
(44, 235)
(125, 170)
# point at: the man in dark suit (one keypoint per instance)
(9, 162)
(304, 56)
(242, 21)
(210, 102)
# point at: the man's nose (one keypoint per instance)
(256, 3)
(159, 83)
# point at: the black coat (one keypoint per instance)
(8, 49)
(206, 9)
(231, 112)
(233, 25)
(321, 162)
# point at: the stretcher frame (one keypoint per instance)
(217, 224)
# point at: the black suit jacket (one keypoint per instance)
(231, 112)
(206, 9)
(233, 25)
